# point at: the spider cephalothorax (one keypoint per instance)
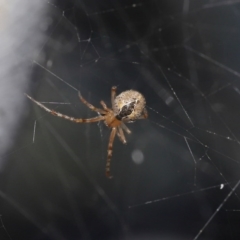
(128, 106)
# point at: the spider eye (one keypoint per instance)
(126, 110)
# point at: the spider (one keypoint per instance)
(128, 106)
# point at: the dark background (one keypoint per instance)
(183, 56)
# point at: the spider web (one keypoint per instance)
(178, 175)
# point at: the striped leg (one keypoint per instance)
(121, 135)
(109, 155)
(113, 94)
(77, 120)
(105, 106)
(89, 105)
(125, 128)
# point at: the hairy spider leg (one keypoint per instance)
(89, 105)
(121, 135)
(113, 94)
(109, 151)
(125, 128)
(57, 114)
(105, 106)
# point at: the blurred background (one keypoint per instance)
(177, 177)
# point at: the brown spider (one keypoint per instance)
(128, 106)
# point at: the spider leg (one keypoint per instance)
(105, 106)
(89, 105)
(109, 155)
(125, 128)
(77, 120)
(113, 94)
(121, 135)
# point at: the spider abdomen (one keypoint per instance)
(129, 105)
